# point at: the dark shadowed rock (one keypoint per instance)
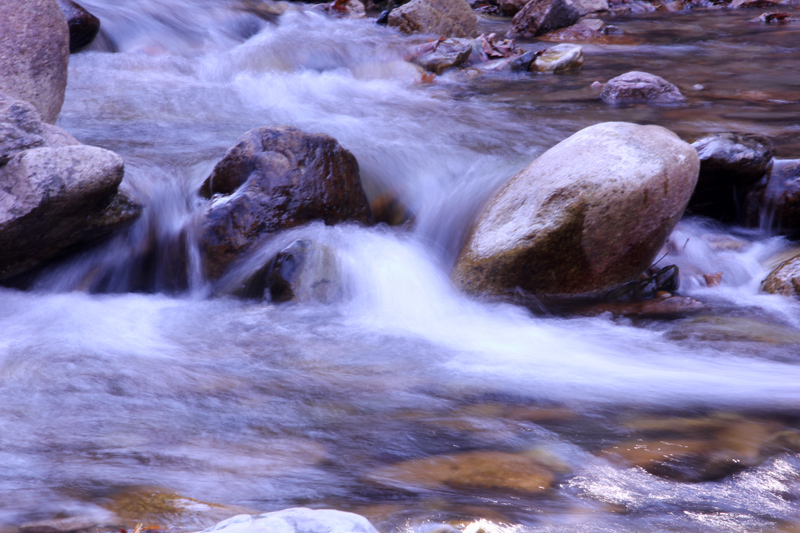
(637, 86)
(774, 201)
(541, 16)
(304, 271)
(448, 18)
(729, 164)
(274, 179)
(34, 52)
(83, 26)
(587, 215)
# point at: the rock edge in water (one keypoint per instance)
(296, 520)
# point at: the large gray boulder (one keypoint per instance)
(541, 16)
(589, 214)
(34, 53)
(55, 193)
(275, 179)
(447, 18)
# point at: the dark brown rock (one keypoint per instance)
(638, 86)
(587, 215)
(541, 16)
(729, 164)
(83, 26)
(34, 53)
(282, 178)
(447, 18)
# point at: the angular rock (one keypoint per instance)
(34, 53)
(83, 26)
(480, 470)
(274, 179)
(296, 520)
(784, 279)
(448, 18)
(440, 55)
(541, 16)
(774, 201)
(559, 58)
(55, 199)
(638, 86)
(729, 164)
(589, 214)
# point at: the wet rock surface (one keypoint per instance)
(274, 179)
(34, 53)
(729, 164)
(559, 58)
(541, 16)
(304, 271)
(448, 18)
(55, 194)
(638, 86)
(590, 213)
(83, 26)
(785, 279)
(774, 201)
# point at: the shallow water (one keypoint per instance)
(265, 406)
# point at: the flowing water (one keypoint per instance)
(264, 406)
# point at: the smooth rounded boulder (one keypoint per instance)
(447, 18)
(34, 54)
(589, 214)
(638, 86)
(275, 179)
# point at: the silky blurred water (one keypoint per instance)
(268, 406)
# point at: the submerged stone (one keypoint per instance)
(480, 470)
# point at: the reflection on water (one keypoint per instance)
(261, 406)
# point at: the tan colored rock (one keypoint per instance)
(785, 279)
(559, 58)
(471, 470)
(447, 18)
(589, 214)
(34, 53)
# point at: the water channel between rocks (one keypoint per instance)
(258, 407)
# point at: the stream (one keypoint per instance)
(258, 407)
